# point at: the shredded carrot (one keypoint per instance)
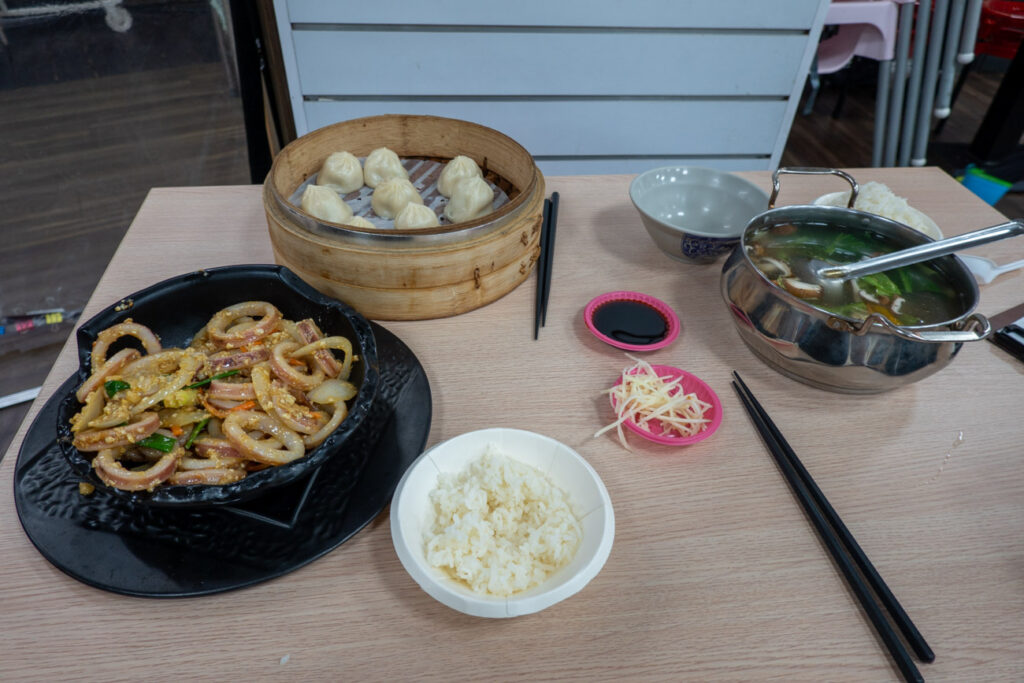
(295, 361)
(883, 310)
(246, 405)
(316, 414)
(213, 410)
(176, 430)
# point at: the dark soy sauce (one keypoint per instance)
(630, 322)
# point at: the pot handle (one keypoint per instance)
(813, 171)
(974, 327)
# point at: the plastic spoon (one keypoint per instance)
(922, 252)
(985, 269)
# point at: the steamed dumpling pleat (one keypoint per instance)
(391, 196)
(341, 172)
(455, 170)
(382, 164)
(359, 222)
(416, 216)
(471, 198)
(325, 204)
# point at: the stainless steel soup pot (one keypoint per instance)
(834, 352)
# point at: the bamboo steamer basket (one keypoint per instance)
(396, 274)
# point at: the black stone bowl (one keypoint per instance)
(178, 308)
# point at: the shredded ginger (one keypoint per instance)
(655, 404)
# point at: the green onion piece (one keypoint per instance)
(219, 375)
(195, 431)
(164, 444)
(115, 385)
(881, 283)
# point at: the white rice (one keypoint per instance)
(877, 198)
(500, 526)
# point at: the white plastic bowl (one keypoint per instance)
(564, 466)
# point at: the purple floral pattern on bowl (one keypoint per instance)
(705, 249)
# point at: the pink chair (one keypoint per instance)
(867, 28)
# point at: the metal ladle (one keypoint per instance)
(829, 275)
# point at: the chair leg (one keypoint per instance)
(815, 83)
(844, 81)
(881, 111)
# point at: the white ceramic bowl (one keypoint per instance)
(564, 466)
(695, 214)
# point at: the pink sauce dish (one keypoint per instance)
(631, 321)
(689, 383)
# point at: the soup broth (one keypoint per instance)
(919, 294)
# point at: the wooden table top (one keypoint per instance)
(715, 572)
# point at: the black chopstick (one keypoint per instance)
(549, 247)
(541, 268)
(878, 584)
(828, 536)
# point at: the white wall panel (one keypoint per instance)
(587, 86)
(598, 166)
(530, 63)
(747, 14)
(596, 127)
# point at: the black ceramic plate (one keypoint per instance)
(107, 542)
(178, 308)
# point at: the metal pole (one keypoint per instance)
(914, 87)
(899, 86)
(928, 83)
(949, 66)
(972, 16)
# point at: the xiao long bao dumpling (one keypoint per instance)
(416, 216)
(455, 170)
(471, 199)
(325, 204)
(391, 196)
(381, 165)
(341, 172)
(359, 222)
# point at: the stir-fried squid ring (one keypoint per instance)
(189, 362)
(237, 426)
(113, 473)
(291, 375)
(210, 447)
(92, 409)
(182, 417)
(226, 360)
(118, 437)
(210, 463)
(206, 477)
(231, 391)
(128, 328)
(313, 440)
(308, 332)
(159, 363)
(275, 400)
(100, 374)
(114, 413)
(219, 326)
(321, 345)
